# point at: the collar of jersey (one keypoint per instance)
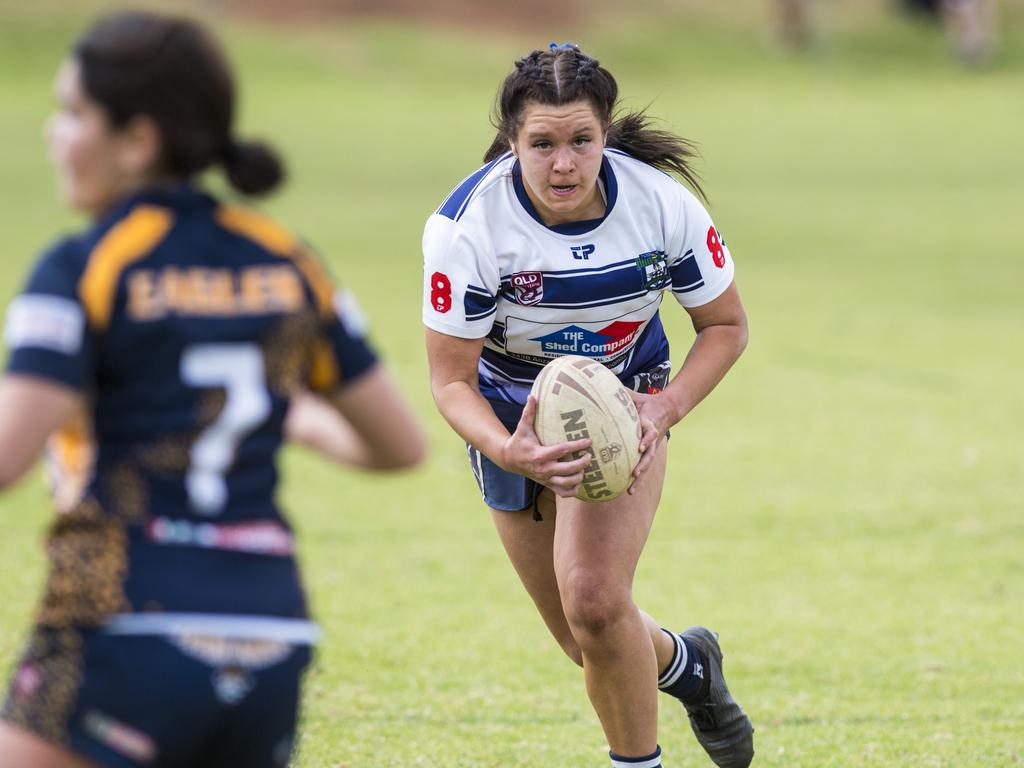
(175, 196)
(611, 187)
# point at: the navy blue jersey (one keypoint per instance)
(186, 324)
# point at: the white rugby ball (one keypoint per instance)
(578, 397)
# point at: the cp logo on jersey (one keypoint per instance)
(528, 287)
(582, 252)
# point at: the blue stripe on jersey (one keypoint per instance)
(617, 299)
(648, 351)
(582, 271)
(689, 288)
(495, 389)
(509, 367)
(611, 190)
(588, 289)
(478, 303)
(497, 334)
(686, 275)
(455, 204)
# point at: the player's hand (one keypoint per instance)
(655, 421)
(550, 465)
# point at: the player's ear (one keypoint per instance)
(512, 146)
(140, 145)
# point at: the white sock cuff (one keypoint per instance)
(678, 663)
(650, 761)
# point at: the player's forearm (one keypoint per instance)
(317, 425)
(368, 425)
(713, 353)
(387, 434)
(469, 414)
(31, 408)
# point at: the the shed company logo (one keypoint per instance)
(575, 340)
(528, 287)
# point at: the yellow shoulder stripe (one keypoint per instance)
(323, 372)
(278, 240)
(131, 239)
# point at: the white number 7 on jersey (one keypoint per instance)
(238, 368)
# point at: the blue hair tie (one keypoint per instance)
(563, 46)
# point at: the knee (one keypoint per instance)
(592, 606)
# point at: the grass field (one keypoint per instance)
(847, 509)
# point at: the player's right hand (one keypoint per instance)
(553, 466)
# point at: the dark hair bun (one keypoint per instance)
(252, 167)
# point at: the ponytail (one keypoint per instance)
(632, 134)
(252, 167)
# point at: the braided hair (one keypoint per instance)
(563, 74)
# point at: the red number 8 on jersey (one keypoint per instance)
(715, 246)
(440, 292)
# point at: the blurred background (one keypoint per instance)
(847, 509)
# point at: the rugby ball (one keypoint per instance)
(578, 397)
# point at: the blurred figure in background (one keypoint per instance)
(970, 25)
(971, 28)
(171, 347)
(793, 23)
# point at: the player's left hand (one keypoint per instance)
(655, 421)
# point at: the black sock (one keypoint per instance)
(684, 675)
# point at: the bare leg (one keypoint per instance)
(22, 749)
(530, 547)
(596, 549)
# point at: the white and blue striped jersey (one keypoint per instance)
(494, 270)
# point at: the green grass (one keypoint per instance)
(845, 509)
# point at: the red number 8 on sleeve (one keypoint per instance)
(440, 292)
(715, 246)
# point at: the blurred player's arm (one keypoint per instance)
(367, 424)
(31, 409)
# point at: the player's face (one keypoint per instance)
(560, 151)
(94, 166)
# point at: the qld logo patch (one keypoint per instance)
(653, 265)
(575, 340)
(528, 287)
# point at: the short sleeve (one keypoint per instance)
(699, 261)
(46, 332)
(460, 281)
(344, 352)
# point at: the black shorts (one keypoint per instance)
(132, 701)
(509, 492)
